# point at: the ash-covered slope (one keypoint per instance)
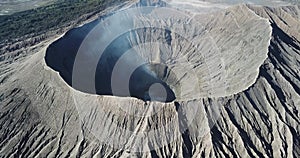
(39, 116)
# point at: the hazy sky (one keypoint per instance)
(12, 6)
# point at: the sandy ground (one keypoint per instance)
(12, 6)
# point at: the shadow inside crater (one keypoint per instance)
(61, 54)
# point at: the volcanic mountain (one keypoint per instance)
(231, 75)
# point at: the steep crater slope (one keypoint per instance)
(266, 115)
(61, 57)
